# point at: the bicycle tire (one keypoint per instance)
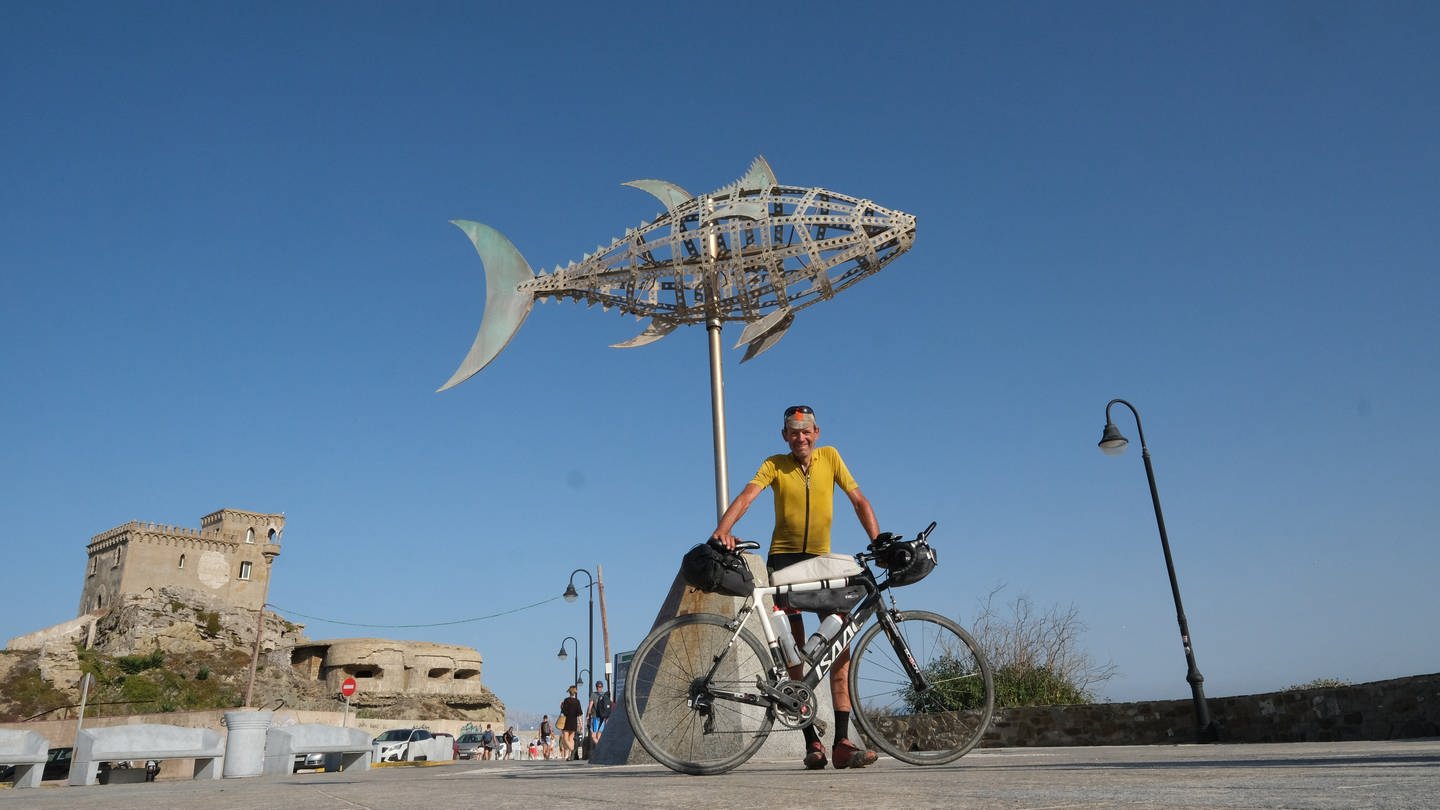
(667, 670)
(939, 725)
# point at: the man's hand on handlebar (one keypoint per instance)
(725, 539)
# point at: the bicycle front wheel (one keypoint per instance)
(938, 724)
(672, 701)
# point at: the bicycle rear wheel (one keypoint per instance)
(930, 727)
(672, 708)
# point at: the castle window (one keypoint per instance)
(270, 538)
(182, 561)
(93, 560)
(117, 558)
(250, 535)
(245, 569)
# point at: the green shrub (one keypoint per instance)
(135, 664)
(1318, 683)
(1035, 686)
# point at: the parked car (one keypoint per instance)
(309, 762)
(468, 746)
(443, 737)
(57, 766)
(411, 745)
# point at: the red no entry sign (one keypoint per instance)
(348, 687)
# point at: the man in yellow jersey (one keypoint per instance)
(804, 482)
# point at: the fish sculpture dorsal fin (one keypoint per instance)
(759, 177)
(666, 192)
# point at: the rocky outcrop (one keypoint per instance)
(193, 626)
(179, 620)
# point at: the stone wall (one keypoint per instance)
(1404, 708)
(1382, 710)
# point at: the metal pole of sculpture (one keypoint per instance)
(754, 252)
(713, 325)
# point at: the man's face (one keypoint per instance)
(801, 441)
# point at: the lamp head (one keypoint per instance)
(570, 593)
(1112, 443)
(561, 655)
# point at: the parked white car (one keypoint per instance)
(411, 745)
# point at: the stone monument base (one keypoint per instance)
(618, 746)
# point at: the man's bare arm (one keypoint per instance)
(734, 512)
(864, 512)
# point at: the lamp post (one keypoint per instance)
(269, 551)
(561, 655)
(580, 678)
(570, 596)
(1112, 443)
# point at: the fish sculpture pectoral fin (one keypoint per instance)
(505, 306)
(652, 333)
(761, 326)
(762, 335)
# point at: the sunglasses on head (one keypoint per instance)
(794, 409)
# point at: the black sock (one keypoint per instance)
(810, 735)
(842, 725)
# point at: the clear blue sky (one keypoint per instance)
(229, 281)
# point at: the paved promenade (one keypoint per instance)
(1396, 774)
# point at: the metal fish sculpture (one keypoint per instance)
(754, 251)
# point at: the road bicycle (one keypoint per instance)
(703, 692)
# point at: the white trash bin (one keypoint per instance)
(245, 743)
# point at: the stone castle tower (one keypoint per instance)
(227, 558)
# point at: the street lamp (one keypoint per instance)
(570, 596)
(580, 678)
(269, 551)
(1112, 443)
(561, 656)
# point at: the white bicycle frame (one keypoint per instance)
(823, 663)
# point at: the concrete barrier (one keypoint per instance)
(27, 751)
(346, 747)
(146, 741)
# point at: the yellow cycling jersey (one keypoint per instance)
(804, 505)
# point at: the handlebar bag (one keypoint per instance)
(714, 570)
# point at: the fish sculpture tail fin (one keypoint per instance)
(505, 306)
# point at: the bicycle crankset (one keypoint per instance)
(794, 704)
